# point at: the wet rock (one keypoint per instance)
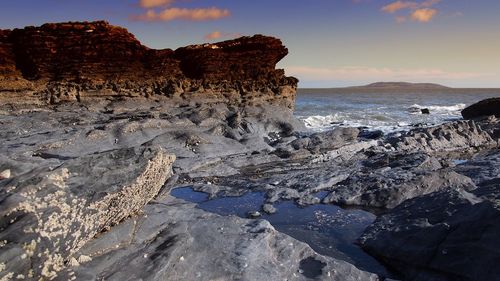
(425, 111)
(446, 235)
(254, 214)
(269, 209)
(328, 140)
(482, 168)
(459, 135)
(483, 108)
(371, 135)
(390, 179)
(308, 200)
(311, 268)
(170, 240)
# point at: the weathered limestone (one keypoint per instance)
(48, 213)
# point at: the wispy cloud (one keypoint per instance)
(419, 11)
(364, 73)
(162, 10)
(197, 14)
(219, 35)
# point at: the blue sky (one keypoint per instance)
(331, 42)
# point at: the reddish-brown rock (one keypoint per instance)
(80, 51)
(7, 59)
(244, 58)
(77, 60)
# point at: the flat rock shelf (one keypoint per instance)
(329, 229)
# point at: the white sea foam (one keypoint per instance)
(320, 122)
(388, 112)
(416, 108)
(326, 122)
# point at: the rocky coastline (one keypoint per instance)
(97, 130)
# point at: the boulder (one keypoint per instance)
(447, 235)
(483, 108)
(451, 234)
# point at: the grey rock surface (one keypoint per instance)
(385, 181)
(174, 241)
(47, 214)
(93, 167)
(451, 234)
(83, 172)
(453, 136)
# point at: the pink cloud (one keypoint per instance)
(218, 35)
(420, 11)
(148, 4)
(197, 14)
(399, 5)
(423, 15)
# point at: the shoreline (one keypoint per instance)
(87, 170)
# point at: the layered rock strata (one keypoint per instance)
(77, 61)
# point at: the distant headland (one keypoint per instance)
(391, 87)
(401, 85)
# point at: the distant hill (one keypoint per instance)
(401, 85)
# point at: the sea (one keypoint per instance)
(388, 110)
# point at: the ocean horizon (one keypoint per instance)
(388, 110)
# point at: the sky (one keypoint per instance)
(332, 43)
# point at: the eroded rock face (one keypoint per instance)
(388, 180)
(78, 61)
(48, 213)
(453, 136)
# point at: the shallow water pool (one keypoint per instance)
(328, 229)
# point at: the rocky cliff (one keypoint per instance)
(76, 61)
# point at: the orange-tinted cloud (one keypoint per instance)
(423, 15)
(218, 35)
(148, 4)
(197, 14)
(399, 5)
(420, 11)
(213, 35)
